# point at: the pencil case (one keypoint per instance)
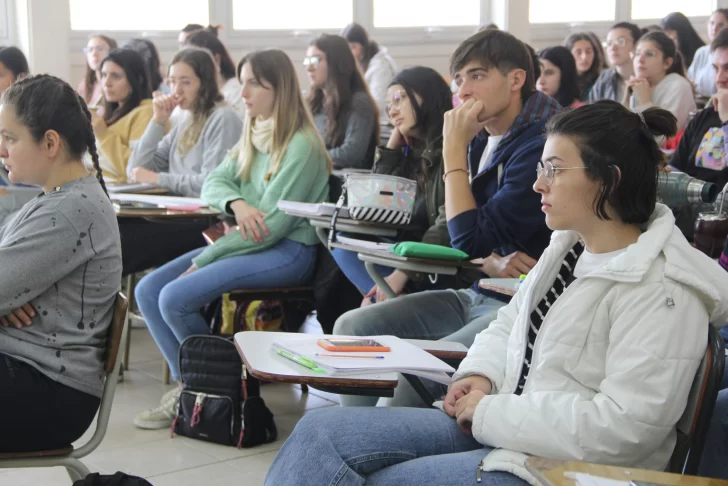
(415, 249)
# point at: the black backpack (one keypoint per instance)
(118, 479)
(220, 402)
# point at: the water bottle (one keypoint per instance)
(677, 189)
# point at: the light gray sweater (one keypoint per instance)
(357, 149)
(673, 94)
(701, 72)
(183, 176)
(61, 253)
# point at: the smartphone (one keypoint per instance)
(353, 345)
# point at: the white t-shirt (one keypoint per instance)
(485, 159)
(588, 262)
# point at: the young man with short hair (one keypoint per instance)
(491, 147)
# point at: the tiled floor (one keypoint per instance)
(180, 461)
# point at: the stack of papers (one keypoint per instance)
(311, 209)
(370, 245)
(161, 201)
(131, 187)
(403, 358)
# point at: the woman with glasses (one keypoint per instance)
(592, 360)
(612, 83)
(343, 110)
(417, 99)
(701, 70)
(659, 79)
(96, 49)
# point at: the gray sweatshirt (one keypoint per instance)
(61, 253)
(357, 149)
(183, 176)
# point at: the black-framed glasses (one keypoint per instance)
(549, 171)
(312, 61)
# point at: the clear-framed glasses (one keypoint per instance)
(395, 102)
(549, 171)
(619, 42)
(92, 49)
(312, 61)
(648, 53)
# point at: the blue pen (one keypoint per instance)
(310, 364)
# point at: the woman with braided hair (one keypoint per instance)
(60, 269)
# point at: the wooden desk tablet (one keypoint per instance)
(551, 473)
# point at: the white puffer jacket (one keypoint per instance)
(614, 359)
(380, 72)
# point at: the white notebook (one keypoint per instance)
(312, 209)
(403, 357)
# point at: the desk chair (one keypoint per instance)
(693, 426)
(68, 457)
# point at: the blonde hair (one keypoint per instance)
(208, 98)
(290, 112)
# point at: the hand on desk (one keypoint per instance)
(396, 280)
(250, 220)
(510, 266)
(144, 176)
(20, 317)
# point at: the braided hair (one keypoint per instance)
(43, 102)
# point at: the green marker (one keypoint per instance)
(308, 363)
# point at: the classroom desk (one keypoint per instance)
(503, 286)
(165, 214)
(264, 364)
(385, 258)
(151, 191)
(551, 473)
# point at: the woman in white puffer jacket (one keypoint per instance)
(593, 358)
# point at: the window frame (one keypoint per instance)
(220, 13)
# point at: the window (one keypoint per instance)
(570, 11)
(292, 14)
(657, 9)
(411, 13)
(137, 15)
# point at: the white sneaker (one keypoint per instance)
(162, 416)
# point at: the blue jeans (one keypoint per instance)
(354, 270)
(449, 315)
(171, 305)
(381, 446)
(714, 463)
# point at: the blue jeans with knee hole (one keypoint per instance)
(381, 446)
(171, 305)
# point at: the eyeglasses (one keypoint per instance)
(395, 102)
(548, 169)
(649, 54)
(619, 41)
(92, 49)
(312, 61)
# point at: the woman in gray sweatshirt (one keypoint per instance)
(344, 112)
(181, 160)
(60, 269)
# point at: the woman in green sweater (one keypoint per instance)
(280, 156)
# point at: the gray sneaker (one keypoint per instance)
(162, 416)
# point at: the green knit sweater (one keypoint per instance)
(303, 176)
